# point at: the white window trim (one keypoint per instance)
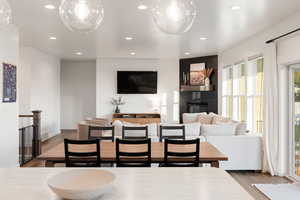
(246, 62)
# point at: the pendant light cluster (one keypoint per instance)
(5, 13)
(174, 16)
(170, 16)
(81, 15)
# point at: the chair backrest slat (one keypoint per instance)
(180, 128)
(133, 154)
(101, 129)
(79, 159)
(182, 154)
(133, 159)
(135, 128)
(169, 155)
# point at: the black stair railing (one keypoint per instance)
(30, 138)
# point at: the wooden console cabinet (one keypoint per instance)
(138, 118)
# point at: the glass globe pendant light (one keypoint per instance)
(5, 13)
(174, 16)
(81, 15)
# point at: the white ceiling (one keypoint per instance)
(215, 20)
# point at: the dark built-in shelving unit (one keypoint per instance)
(192, 98)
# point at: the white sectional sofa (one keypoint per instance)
(244, 150)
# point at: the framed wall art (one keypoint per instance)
(9, 83)
(197, 75)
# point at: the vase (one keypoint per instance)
(117, 110)
(207, 82)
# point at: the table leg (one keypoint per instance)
(49, 163)
(215, 164)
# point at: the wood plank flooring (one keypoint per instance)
(244, 178)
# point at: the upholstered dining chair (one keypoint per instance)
(82, 159)
(191, 158)
(134, 158)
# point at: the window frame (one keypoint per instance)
(256, 128)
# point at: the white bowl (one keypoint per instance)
(81, 183)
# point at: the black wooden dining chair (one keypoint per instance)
(132, 130)
(171, 128)
(190, 159)
(133, 158)
(82, 159)
(100, 130)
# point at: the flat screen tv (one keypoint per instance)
(137, 82)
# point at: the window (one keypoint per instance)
(242, 93)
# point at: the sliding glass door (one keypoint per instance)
(295, 120)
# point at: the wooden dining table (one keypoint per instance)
(208, 153)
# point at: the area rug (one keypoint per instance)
(280, 191)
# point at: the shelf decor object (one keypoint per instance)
(9, 83)
(5, 13)
(174, 16)
(207, 74)
(117, 102)
(81, 15)
(81, 184)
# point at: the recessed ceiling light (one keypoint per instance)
(142, 7)
(52, 38)
(235, 7)
(128, 38)
(187, 53)
(132, 53)
(50, 6)
(203, 38)
(78, 53)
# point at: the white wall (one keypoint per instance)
(288, 52)
(40, 88)
(168, 75)
(9, 135)
(78, 92)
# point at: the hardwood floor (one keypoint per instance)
(244, 178)
(247, 178)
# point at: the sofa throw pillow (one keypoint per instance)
(218, 119)
(205, 119)
(218, 130)
(241, 127)
(191, 117)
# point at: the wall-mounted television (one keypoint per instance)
(137, 82)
